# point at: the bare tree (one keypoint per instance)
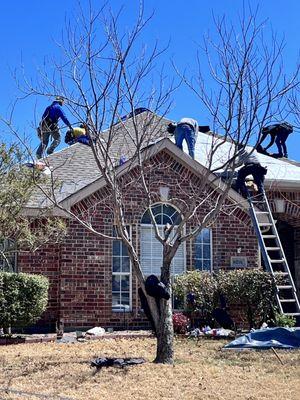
(104, 73)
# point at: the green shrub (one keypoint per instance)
(287, 321)
(197, 291)
(252, 289)
(23, 298)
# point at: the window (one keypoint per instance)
(121, 277)
(203, 250)
(8, 256)
(151, 248)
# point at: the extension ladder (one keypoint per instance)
(273, 254)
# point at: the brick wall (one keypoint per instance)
(45, 261)
(80, 269)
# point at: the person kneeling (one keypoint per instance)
(77, 135)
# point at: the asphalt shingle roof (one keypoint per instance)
(75, 167)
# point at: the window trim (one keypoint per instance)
(122, 274)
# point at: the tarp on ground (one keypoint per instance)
(282, 338)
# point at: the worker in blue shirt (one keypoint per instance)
(49, 126)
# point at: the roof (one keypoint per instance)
(281, 173)
(75, 168)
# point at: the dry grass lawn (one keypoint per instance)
(62, 371)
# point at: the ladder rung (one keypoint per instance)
(265, 224)
(280, 273)
(272, 248)
(287, 300)
(277, 261)
(269, 236)
(292, 314)
(282, 287)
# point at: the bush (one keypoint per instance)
(23, 298)
(180, 323)
(287, 321)
(197, 291)
(252, 289)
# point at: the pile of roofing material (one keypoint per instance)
(263, 339)
(116, 362)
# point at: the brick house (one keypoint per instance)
(91, 282)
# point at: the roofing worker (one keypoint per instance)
(279, 134)
(283, 133)
(186, 129)
(77, 135)
(252, 167)
(49, 126)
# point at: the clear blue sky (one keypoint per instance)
(29, 29)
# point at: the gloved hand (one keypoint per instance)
(71, 129)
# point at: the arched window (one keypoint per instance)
(151, 248)
(163, 213)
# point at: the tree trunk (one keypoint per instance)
(165, 332)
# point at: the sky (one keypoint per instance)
(31, 29)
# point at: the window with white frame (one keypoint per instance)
(203, 250)
(121, 277)
(8, 256)
(151, 248)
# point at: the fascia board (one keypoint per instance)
(42, 212)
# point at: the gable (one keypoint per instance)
(165, 165)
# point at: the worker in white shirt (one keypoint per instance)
(186, 129)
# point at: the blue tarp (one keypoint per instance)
(282, 338)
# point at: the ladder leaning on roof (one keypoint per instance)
(273, 254)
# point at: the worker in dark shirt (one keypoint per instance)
(278, 134)
(252, 167)
(49, 126)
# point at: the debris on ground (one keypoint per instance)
(116, 362)
(208, 332)
(96, 331)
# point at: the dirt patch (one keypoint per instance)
(62, 371)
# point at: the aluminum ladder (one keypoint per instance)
(273, 254)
